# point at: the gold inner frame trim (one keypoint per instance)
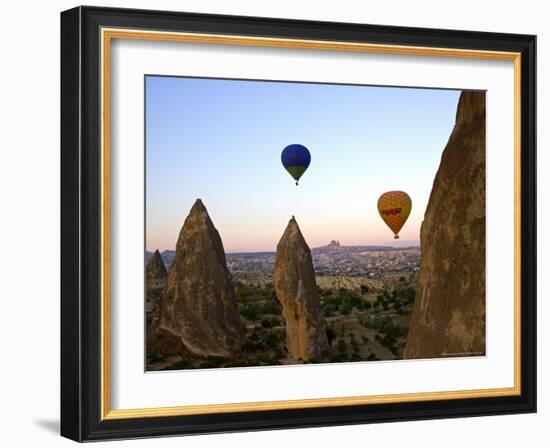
(107, 35)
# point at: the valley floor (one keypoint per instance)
(365, 319)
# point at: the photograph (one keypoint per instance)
(296, 222)
(273, 222)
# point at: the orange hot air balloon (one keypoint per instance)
(394, 208)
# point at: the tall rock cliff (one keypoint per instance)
(449, 313)
(296, 289)
(200, 306)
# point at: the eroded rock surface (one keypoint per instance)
(296, 289)
(159, 342)
(449, 313)
(155, 283)
(200, 306)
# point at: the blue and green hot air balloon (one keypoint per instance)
(296, 158)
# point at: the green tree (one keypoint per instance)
(331, 334)
(345, 309)
(354, 344)
(249, 310)
(342, 346)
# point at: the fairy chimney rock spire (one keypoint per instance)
(200, 305)
(297, 292)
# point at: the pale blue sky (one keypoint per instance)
(221, 141)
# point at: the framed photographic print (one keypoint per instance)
(273, 223)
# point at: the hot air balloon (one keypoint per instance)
(296, 159)
(394, 208)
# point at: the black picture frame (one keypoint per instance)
(81, 224)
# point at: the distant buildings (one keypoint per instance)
(333, 259)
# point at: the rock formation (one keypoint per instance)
(296, 289)
(449, 313)
(163, 342)
(159, 342)
(200, 306)
(155, 283)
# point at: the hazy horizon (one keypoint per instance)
(221, 141)
(398, 245)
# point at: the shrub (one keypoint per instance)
(343, 329)
(273, 338)
(366, 320)
(153, 358)
(249, 311)
(182, 364)
(269, 306)
(353, 299)
(335, 301)
(331, 334)
(241, 291)
(275, 322)
(354, 344)
(270, 322)
(253, 346)
(346, 309)
(407, 295)
(329, 309)
(212, 362)
(342, 346)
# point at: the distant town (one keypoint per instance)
(332, 259)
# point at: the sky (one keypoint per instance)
(221, 141)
